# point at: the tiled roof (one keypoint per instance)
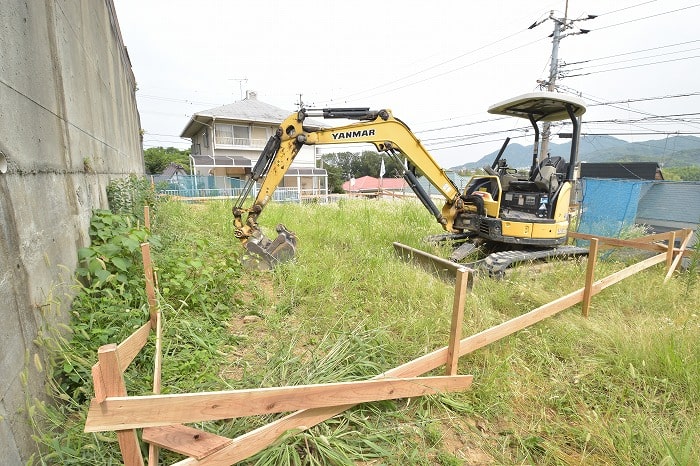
(248, 110)
(173, 168)
(671, 201)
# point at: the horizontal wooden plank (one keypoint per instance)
(627, 272)
(185, 440)
(438, 266)
(128, 412)
(637, 243)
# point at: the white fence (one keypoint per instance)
(279, 195)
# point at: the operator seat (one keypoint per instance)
(549, 173)
(545, 178)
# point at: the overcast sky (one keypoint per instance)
(437, 65)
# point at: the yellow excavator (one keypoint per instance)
(513, 217)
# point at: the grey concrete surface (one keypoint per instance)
(68, 126)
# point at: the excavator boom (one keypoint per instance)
(377, 127)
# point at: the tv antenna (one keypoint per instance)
(240, 84)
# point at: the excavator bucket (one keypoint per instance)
(264, 254)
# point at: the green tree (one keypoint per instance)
(157, 158)
(341, 166)
(682, 173)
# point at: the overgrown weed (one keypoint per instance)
(618, 388)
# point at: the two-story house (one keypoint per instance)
(228, 140)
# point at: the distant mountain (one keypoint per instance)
(674, 151)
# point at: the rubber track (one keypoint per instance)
(496, 263)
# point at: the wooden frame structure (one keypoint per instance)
(161, 416)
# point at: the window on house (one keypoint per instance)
(232, 135)
(205, 137)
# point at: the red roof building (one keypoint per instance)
(370, 184)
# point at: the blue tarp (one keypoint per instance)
(610, 205)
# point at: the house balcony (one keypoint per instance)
(223, 142)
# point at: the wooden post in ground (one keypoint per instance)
(671, 247)
(590, 272)
(147, 217)
(113, 384)
(150, 282)
(464, 280)
(688, 235)
(153, 449)
(155, 322)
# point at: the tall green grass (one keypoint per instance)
(618, 388)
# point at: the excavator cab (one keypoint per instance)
(529, 211)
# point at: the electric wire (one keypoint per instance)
(423, 70)
(627, 8)
(565, 72)
(646, 17)
(629, 53)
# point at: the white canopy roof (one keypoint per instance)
(543, 106)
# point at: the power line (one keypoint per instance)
(443, 140)
(647, 17)
(148, 133)
(643, 99)
(630, 60)
(458, 69)
(176, 100)
(425, 69)
(651, 133)
(630, 67)
(430, 68)
(460, 125)
(626, 8)
(629, 53)
(435, 149)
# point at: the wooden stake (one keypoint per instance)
(158, 356)
(147, 217)
(153, 449)
(671, 247)
(688, 235)
(590, 272)
(113, 380)
(464, 280)
(150, 282)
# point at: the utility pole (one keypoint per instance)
(553, 70)
(560, 25)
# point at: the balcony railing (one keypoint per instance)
(224, 141)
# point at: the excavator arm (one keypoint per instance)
(378, 127)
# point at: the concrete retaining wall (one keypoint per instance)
(68, 125)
